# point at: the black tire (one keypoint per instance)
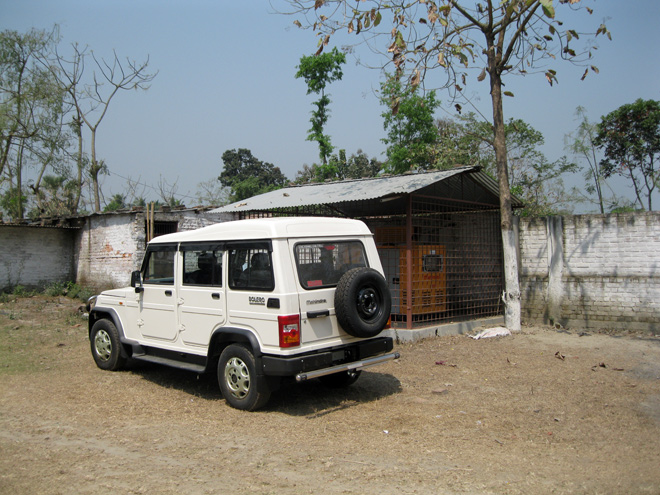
(341, 379)
(106, 346)
(237, 377)
(362, 302)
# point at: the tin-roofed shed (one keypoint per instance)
(438, 233)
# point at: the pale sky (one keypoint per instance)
(226, 81)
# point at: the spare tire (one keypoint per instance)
(362, 302)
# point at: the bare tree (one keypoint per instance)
(212, 193)
(91, 101)
(168, 191)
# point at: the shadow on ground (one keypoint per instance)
(310, 398)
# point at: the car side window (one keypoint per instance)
(251, 268)
(202, 265)
(159, 266)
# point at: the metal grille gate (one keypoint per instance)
(442, 258)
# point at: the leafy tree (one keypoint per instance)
(56, 197)
(630, 138)
(411, 130)
(13, 201)
(361, 166)
(582, 143)
(357, 166)
(318, 71)
(247, 176)
(117, 202)
(497, 38)
(461, 142)
(31, 112)
(537, 181)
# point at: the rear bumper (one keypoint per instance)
(343, 358)
(356, 366)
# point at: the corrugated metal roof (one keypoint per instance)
(354, 190)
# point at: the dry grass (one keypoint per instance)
(539, 412)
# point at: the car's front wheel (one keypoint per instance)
(106, 346)
(237, 377)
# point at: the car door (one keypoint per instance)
(251, 281)
(156, 315)
(320, 265)
(202, 299)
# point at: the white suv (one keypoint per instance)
(256, 300)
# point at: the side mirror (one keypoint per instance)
(136, 281)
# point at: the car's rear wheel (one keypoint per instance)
(237, 377)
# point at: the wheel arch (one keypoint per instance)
(97, 314)
(225, 336)
(101, 313)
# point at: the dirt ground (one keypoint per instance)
(542, 411)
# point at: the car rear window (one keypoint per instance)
(321, 264)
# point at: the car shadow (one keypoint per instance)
(204, 386)
(313, 399)
(310, 398)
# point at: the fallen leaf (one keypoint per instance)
(559, 355)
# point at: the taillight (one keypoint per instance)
(289, 330)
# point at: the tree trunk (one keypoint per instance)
(94, 172)
(19, 181)
(79, 159)
(511, 296)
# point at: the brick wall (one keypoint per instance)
(110, 246)
(35, 256)
(592, 270)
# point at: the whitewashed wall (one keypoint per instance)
(592, 271)
(35, 256)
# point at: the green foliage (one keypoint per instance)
(464, 141)
(409, 123)
(57, 196)
(32, 109)
(532, 178)
(68, 289)
(630, 139)
(247, 176)
(12, 202)
(318, 71)
(117, 202)
(20, 291)
(357, 166)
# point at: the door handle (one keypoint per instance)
(168, 293)
(215, 295)
(318, 314)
